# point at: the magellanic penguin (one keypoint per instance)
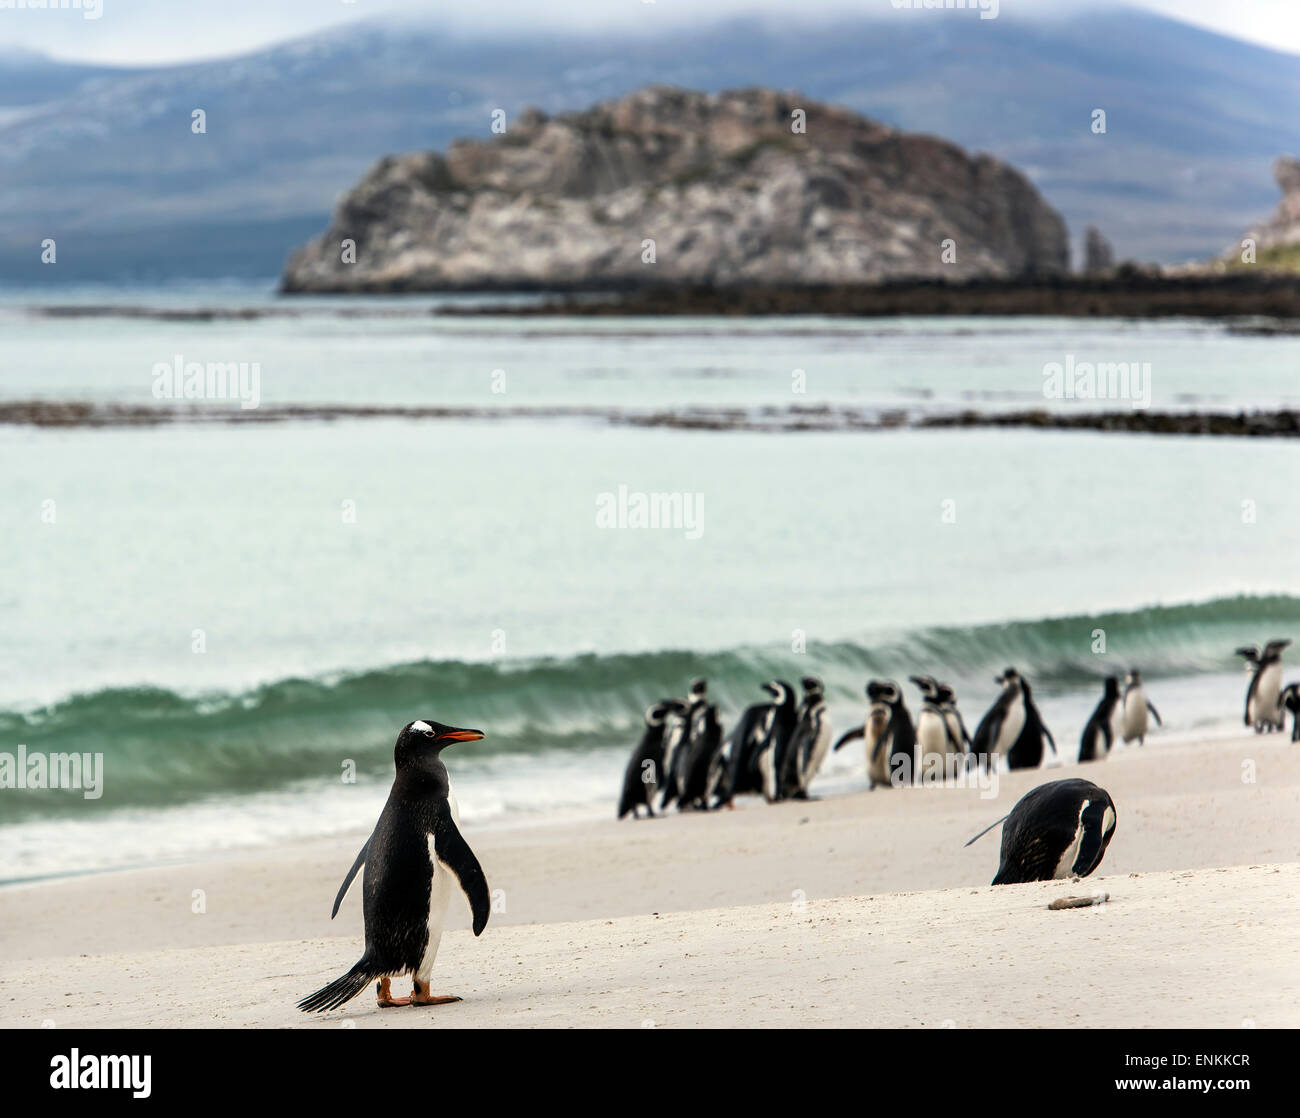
(411, 860)
(1263, 708)
(701, 768)
(809, 744)
(1290, 697)
(889, 736)
(645, 768)
(1060, 829)
(935, 740)
(771, 751)
(1136, 708)
(676, 742)
(1001, 725)
(958, 736)
(738, 771)
(1099, 735)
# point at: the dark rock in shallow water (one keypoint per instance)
(668, 186)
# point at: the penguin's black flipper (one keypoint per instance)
(454, 853)
(1155, 713)
(343, 889)
(852, 735)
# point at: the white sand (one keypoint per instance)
(900, 925)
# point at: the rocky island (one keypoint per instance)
(666, 187)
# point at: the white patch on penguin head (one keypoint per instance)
(421, 728)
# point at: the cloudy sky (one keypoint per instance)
(175, 30)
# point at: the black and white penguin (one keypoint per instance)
(412, 858)
(1060, 829)
(738, 772)
(889, 736)
(1290, 697)
(1099, 735)
(645, 768)
(1136, 707)
(1001, 725)
(771, 751)
(677, 742)
(1263, 705)
(701, 768)
(935, 740)
(809, 743)
(958, 737)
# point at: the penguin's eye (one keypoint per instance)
(429, 733)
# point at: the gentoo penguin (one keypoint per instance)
(809, 743)
(1098, 735)
(889, 736)
(645, 768)
(411, 860)
(934, 738)
(1136, 707)
(958, 737)
(1059, 829)
(1263, 709)
(677, 742)
(700, 767)
(1290, 697)
(770, 752)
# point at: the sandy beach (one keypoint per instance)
(859, 910)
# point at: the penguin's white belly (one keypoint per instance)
(439, 898)
(1011, 727)
(931, 735)
(877, 721)
(1135, 715)
(1267, 708)
(820, 747)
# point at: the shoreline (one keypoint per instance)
(608, 902)
(793, 419)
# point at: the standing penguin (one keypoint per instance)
(1059, 829)
(738, 774)
(1290, 697)
(933, 735)
(809, 743)
(1027, 752)
(411, 860)
(1001, 725)
(677, 742)
(645, 768)
(771, 751)
(1098, 735)
(889, 735)
(1136, 707)
(701, 766)
(958, 737)
(1263, 708)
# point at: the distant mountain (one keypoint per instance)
(104, 159)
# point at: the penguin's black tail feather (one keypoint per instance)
(341, 989)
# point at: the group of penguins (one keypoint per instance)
(777, 747)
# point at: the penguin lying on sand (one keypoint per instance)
(1060, 829)
(414, 855)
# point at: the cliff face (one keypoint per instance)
(1278, 239)
(727, 191)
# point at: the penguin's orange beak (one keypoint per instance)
(461, 735)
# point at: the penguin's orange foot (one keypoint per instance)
(421, 996)
(386, 999)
